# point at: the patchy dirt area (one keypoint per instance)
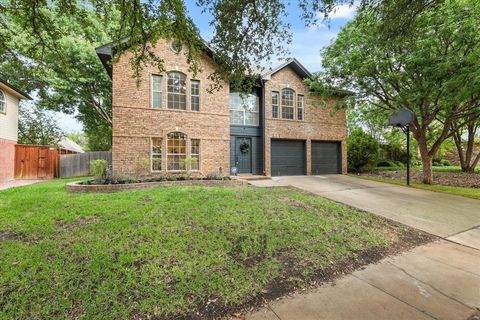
(454, 179)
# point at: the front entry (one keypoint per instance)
(243, 154)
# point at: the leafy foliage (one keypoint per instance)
(98, 169)
(35, 126)
(433, 69)
(362, 151)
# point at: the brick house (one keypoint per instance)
(169, 123)
(9, 100)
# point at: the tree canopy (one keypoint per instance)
(433, 70)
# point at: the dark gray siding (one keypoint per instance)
(288, 157)
(326, 157)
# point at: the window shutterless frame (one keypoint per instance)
(195, 95)
(156, 91)
(300, 107)
(3, 102)
(156, 154)
(275, 103)
(288, 104)
(195, 153)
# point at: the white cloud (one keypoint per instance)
(343, 11)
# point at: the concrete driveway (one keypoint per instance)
(437, 213)
(440, 280)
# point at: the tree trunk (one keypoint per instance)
(426, 161)
(427, 169)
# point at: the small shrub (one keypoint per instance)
(98, 169)
(362, 151)
(385, 164)
(399, 164)
(446, 163)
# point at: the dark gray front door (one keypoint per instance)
(326, 157)
(243, 152)
(288, 158)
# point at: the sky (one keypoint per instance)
(305, 47)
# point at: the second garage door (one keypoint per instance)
(326, 157)
(288, 158)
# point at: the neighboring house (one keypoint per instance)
(169, 118)
(70, 145)
(9, 100)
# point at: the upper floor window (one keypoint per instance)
(195, 95)
(3, 103)
(288, 105)
(176, 91)
(156, 154)
(300, 107)
(176, 151)
(275, 98)
(156, 91)
(244, 109)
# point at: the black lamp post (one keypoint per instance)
(402, 120)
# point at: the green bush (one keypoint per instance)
(98, 169)
(385, 164)
(362, 150)
(399, 164)
(446, 163)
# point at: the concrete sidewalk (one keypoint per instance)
(17, 183)
(440, 280)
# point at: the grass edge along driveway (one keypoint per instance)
(176, 252)
(473, 193)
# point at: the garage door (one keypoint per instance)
(288, 158)
(326, 157)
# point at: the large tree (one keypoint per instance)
(48, 46)
(432, 70)
(35, 126)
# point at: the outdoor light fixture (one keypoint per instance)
(402, 120)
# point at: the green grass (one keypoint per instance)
(166, 252)
(434, 169)
(473, 193)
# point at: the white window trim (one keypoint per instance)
(303, 106)
(198, 155)
(152, 153)
(4, 111)
(152, 92)
(192, 95)
(187, 146)
(294, 104)
(188, 106)
(277, 104)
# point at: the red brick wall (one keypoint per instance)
(320, 123)
(7, 159)
(135, 122)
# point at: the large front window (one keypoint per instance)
(176, 91)
(176, 151)
(288, 106)
(244, 109)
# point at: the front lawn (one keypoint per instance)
(473, 193)
(192, 252)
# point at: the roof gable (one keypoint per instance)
(294, 64)
(13, 90)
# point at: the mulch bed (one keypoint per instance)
(454, 179)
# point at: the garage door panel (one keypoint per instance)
(326, 157)
(288, 157)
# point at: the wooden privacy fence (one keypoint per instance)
(76, 165)
(37, 162)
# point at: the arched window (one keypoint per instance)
(176, 151)
(3, 103)
(176, 91)
(288, 104)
